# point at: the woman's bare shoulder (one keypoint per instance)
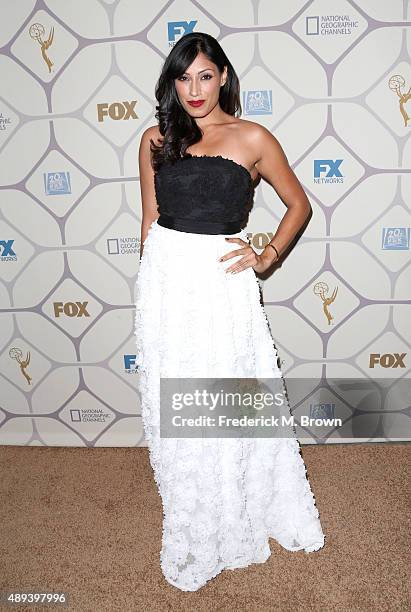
(254, 137)
(252, 129)
(152, 133)
(259, 138)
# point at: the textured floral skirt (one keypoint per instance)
(222, 498)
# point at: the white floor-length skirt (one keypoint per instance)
(222, 497)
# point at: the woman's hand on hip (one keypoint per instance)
(259, 263)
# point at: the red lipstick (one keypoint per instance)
(195, 103)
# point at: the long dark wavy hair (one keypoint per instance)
(177, 128)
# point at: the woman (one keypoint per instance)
(198, 315)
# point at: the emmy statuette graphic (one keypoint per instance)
(396, 83)
(37, 32)
(322, 289)
(17, 354)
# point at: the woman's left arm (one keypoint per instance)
(273, 166)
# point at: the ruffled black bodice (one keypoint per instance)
(204, 194)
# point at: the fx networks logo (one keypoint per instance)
(130, 365)
(118, 111)
(70, 309)
(327, 171)
(6, 251)
(57, 183)
(388, 360)
(177, 29)
(258, 102)
(395, 239)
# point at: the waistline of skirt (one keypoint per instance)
(199, 227)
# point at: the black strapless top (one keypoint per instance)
(203, 194)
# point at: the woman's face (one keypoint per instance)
(198, 89)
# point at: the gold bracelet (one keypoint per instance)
(271, 245)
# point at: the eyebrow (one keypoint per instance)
(203, 70)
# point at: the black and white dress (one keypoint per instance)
(222, 498)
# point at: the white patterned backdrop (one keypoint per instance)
(331, 80)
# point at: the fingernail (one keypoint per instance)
(226, 239)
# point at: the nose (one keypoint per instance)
(194, 88)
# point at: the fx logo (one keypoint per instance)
(321, 165)
(6, 250)
(179, 28)
(70, 309)
(130, 362)
(388, 360)
(117, 110)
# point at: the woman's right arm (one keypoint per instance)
(148, 196)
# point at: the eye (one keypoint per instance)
(206, 76)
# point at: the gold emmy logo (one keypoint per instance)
(396, 83)
(37, 32)
(17, 354)
(322, 289)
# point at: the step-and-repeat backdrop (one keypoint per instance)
(330, 80)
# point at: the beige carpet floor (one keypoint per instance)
(89, 522)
